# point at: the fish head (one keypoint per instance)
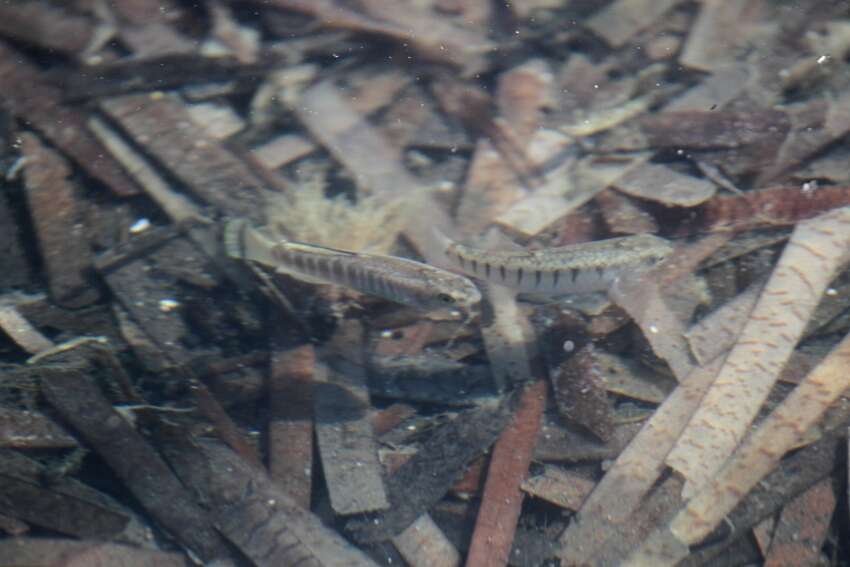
(453, 293)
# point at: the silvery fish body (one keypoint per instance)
(397, 279)
(579, 268)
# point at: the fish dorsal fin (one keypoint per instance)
(305, 248)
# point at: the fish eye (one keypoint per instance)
(446, 298)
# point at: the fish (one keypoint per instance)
(578, 268)
(400, 280)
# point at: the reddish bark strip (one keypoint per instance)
(291, 426)
(502, 499)
(803, 526)
(56, 214)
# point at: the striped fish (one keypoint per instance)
(578, 268)
(397, 279)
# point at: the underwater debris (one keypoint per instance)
(501, 500)
(368, 224)
(817, 250)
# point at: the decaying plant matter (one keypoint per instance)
(218, 231)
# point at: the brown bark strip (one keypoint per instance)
(229, 432)
(32, 430)
(47, 551)
(25, 94)
(500, 167)
(501, 502)
(98, 515)
(132, 282)
(252, 512)
(291, 425)
(47, 27)
(425, 478)
(621, 20)
(435, 37)
(778, 206)
(42, 506)
(802, 527)
(622, 215)
(163, 126)
(644, 301)
(179, 209)
(778, 434)
(580, 393)
(130, 456)
(656, 182)
(717, 332)
(57, 215)
(346, 442)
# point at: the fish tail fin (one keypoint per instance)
(242, 241)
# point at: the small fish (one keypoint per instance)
(397, 279)
(578, 268)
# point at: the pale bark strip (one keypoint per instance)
(642, 298)
(178, 207)
(778, 434)
(423, 544)
(621, 490)
(22, 332)
(508, 338)
(638, 467)
(717, 332)
(817, 249)
(376, 166)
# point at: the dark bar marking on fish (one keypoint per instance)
(338, 270)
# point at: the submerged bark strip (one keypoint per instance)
(255, 515)
(501, 502)
(132, 458)
(162, 125)
(291, 421)
(424, 544)
(376, 165)
(778, 434)
(621, 490)
(817, 249)
(424, 479)
(345, 439)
